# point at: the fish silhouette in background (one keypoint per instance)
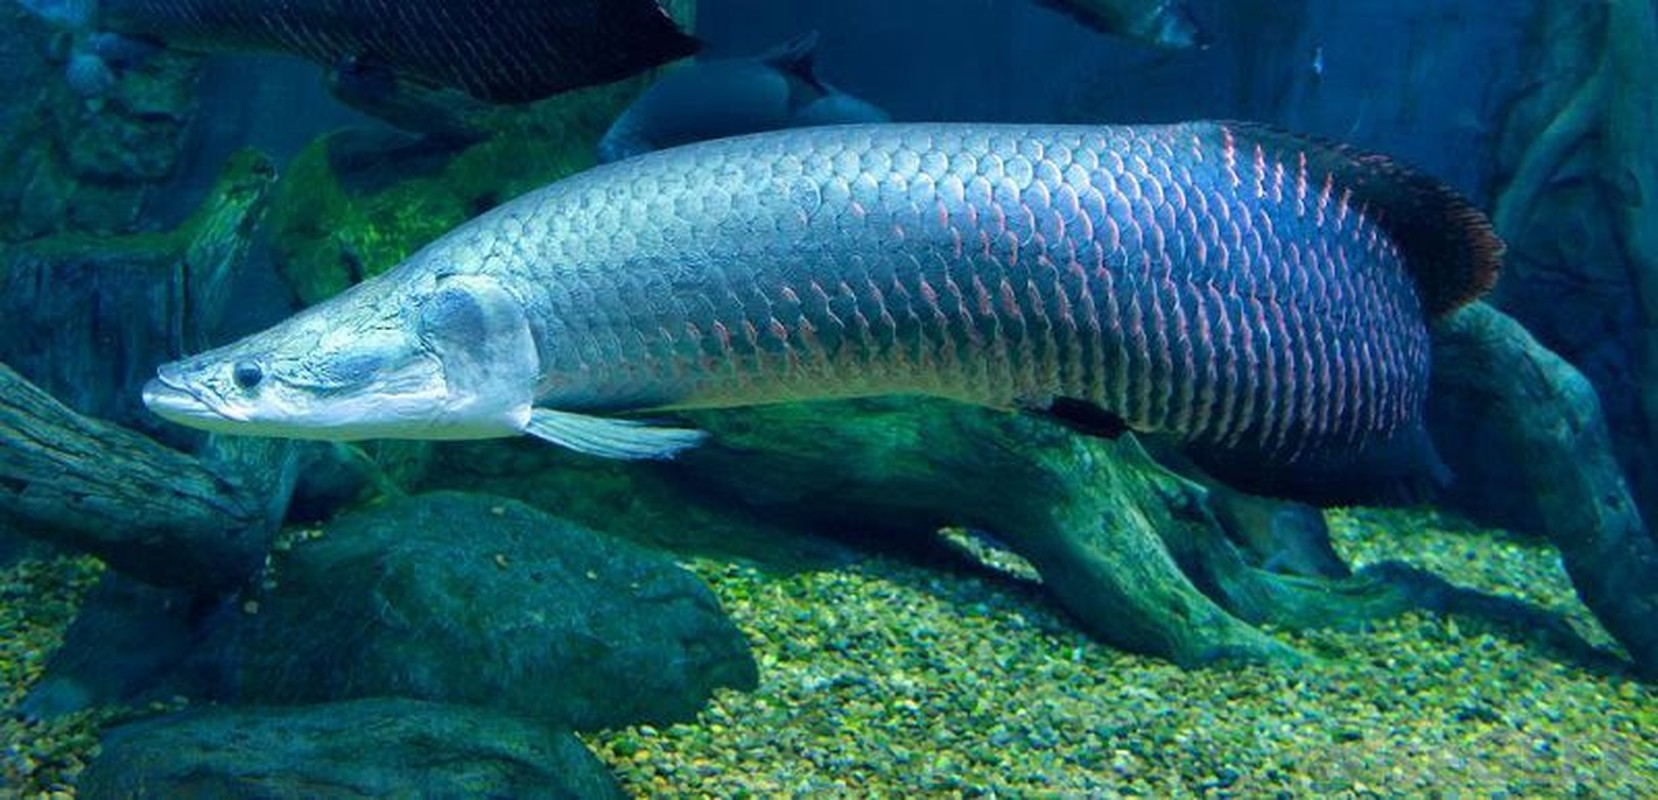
(725, 97)
(493, 51)
(1256, 298)
(1165, 23)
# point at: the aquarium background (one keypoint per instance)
(800, 640)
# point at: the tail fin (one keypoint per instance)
(1449, 246)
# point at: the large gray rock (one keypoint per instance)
(480, 600)
(358, 749)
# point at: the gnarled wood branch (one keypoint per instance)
(155, 513)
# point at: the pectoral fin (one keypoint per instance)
(611, 438)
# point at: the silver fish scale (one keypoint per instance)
(1186, 281)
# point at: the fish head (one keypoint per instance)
(438, 357)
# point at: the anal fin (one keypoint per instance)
(611, 438)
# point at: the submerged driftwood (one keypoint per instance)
(1154, 563)
(1091, 516)
(1135, 552)
(90, 317)
(1524, 427)
(148, 510)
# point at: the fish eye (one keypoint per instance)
(247, 374)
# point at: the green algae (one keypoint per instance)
(335, 222)
(225, 219)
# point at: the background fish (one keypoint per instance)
(730, 96)
(1258, 298)
(500, 51)
(1165, 23)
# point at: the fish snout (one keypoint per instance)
(169, 395)
(170, 373)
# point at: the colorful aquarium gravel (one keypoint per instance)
(38, 600)
(890, 679)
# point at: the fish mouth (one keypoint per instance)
(169, 397)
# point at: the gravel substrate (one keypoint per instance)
(38, 599)
(888, 679)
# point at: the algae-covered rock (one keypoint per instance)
(88, 317)
(472, 599)
(70, 163)
(123, 644)
(137, 134)
(351, 205)
(359, 749)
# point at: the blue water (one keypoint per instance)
(105, 272)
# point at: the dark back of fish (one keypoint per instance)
(504, 51)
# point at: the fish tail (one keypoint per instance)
(1450, 248)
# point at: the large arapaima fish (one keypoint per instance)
(1259, 298)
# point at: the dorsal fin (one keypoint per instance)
(1449, 246)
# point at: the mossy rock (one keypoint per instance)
(72, 164)
(353, 205)
(478, 600)
(367, 748)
